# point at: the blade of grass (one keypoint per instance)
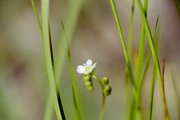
(70, 23)
(37, 16)
(75, 90)
(128, 97)
(140, 63)
(74, 7)
(150, 107)
(148, 59)
(151, 43)
(48, 111)
(48, 56)
(122, 40)
(127, 107)
(131, 31)
(153, 51)
(125, 51)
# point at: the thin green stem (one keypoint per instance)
(150, 108)
(127, 97)
(125, 51)
(122, 40)
(152, 47)
(131, 29)
(97, 79)
(70, 22)
(75, 90)
(103, 98)
(140, 62)
(127, 107)
(102, 107)
(151, 43)
(37, 16)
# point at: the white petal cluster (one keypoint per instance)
(86, 68)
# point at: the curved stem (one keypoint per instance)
(102, 107)
(103, 98)
(97, 78)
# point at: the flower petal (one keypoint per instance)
(89, 62)
(80, 66)
(87, 72)
(80, 69)
(93, 66)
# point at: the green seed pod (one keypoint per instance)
(104, 81)
(107, 90)
(88, 82)
(86, 77)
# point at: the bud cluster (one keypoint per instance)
(88, 69)
(105, 85)
(88, 82)
(104, 82)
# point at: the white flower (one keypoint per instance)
(86, 68)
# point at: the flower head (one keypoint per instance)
(86, 68)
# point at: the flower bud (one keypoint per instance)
(107, 90)
(88, 82)
(105, 81)
(86, 77)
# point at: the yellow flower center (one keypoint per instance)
(87, 69)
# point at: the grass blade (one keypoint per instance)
(127, 94)
(70, 23)
(150, 107)
(152, 47)
(131, 29)
(73, 11)
(122, 40)
(37, 16)
(48, 110)
(48, 56)
(75, 90)
(140, 62)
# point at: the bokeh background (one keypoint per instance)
(23, 80)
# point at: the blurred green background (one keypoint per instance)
(23, 80)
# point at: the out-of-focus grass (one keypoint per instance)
(72, 16)
(71, 21)
(48, 55)
(137, 82)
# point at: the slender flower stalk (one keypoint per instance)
(88, 69)
(103, 98)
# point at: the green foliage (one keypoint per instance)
(136, 75)
(139, 72)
